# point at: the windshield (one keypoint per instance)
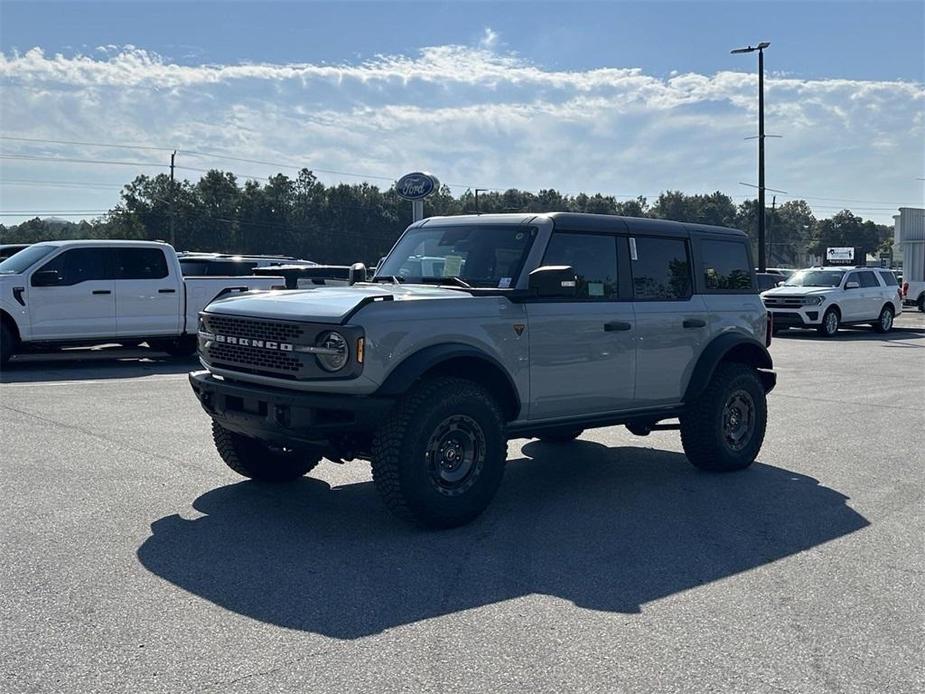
(478, 254)
(25, 259)
(815, 278)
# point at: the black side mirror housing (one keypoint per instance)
(553, 281)
(357, 273)
(46, 278)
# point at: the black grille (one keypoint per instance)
(783, 301)
(254, 358)
(256, 329)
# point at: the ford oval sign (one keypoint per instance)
(416, 186)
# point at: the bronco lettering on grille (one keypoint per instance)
(251, 342)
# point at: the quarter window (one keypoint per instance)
(661, 270)
(140, 264)
(592, 256)
(889, 279)
(726, 266)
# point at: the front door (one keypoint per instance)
(73, 297)
(582, 355)
(853, 303)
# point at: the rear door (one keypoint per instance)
(672, 323)
(874, 294)
(582, 352)
(147, 296)
(80, 303)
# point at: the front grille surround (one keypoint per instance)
(783, 301)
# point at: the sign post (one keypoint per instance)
(415, 187)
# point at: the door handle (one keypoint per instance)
(101, 291)
(695, 323)
(615, 325)
(166, 291)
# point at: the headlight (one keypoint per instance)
(813, 300)
(332, 351)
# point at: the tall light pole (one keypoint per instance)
(762, 259)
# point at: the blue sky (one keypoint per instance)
(618, 98)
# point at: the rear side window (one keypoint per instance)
(140, 264)
(726, 266)
(869, 280)
(661, 269)
(594, 259)
(80, 265)
(889, 279)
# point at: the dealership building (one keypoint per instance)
(909, 241)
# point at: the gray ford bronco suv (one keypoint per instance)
(480, 329)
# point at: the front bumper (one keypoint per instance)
(804, 317)
(286, 417)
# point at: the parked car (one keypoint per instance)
(87, 292)
(784, 271)
(826, 298)
(309, 276)
(530, 326)
(768, 280)
(10, 249)
(226, 265)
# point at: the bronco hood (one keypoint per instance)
(324, 304)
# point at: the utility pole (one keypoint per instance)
(477, 191)
(773, 208)
(173, 202)
(762, 255)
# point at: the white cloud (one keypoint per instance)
(479, 116)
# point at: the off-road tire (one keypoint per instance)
(560, 437)
(825, 328)
(254, 459)
(404, 470)
(882, 325)
(702, 426)
(7, 344)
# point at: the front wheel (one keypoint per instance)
(7, 344)
(724, 428)
(885, 322)
(439, 458)
(256, 460)
(830, 321)
(183, 346)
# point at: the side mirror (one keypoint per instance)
(553, 281)
(46, 278)
(852, 285)
(357, 273)
(780, 284)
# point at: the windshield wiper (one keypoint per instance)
(454, 279)
(394, 279)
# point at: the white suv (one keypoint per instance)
(828, 297)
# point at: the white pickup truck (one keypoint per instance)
(68, 293)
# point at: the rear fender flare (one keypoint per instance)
(733, 347)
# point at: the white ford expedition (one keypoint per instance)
(87, 292)
(828, 297)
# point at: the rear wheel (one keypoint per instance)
(724, 428)
(885, 322)
(562, 436)
(439, 458)
(830, 322)
(921, 303)
(8, 344)
(258, 461)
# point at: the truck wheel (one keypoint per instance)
(7, 344)
(724, 428)
(183, 346)
(562, 436)
(258, 461)
(921, 303)
(830, 321)
(438, 459)
(885, 322)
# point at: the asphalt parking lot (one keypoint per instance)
(133, 560)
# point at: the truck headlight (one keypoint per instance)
(332, 351)
(812, 300)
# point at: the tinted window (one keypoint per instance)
(889, 279)
(853, 277)
(594, 259)
(766, 282)
(869, 280)
(140, 264)
(726, 266)
(661, 270)
(80, 265)
(24, 259)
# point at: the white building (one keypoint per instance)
(909, 242)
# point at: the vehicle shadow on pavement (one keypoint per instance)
(851, 335)
(608, 529)
(88, 365)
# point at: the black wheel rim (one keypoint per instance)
(455, 454)
(738, 420)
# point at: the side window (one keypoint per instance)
(725, 266)
(661, 270)
(852, 277)
(869, 280)
(594, 258)
(889, 279)
(79, 265)
(140, 264)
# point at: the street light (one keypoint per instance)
(762, 260)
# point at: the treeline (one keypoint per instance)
(344, 223)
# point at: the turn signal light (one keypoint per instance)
(361, 349)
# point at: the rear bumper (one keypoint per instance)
(286, 417)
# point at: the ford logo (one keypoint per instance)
(416, 186)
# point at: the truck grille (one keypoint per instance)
(783, 301)
(256, 359)
(254, 329)
(260, 359)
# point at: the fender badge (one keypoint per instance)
(519, 328)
